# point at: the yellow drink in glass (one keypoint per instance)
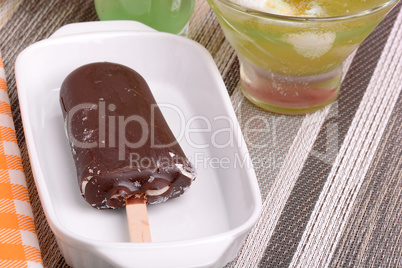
(291, 58)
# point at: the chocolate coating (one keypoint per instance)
(120, 141)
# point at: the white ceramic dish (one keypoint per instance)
(206, 226)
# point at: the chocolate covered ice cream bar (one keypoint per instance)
(121, 144)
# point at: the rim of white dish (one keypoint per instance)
(54, 222)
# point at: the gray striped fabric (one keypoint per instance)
(331, 181)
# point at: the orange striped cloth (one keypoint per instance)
(19, 245)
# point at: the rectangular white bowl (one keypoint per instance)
(206, 226)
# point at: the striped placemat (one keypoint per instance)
(331, 181)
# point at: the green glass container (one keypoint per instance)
(170, 16)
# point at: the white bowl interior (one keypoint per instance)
(188, 88)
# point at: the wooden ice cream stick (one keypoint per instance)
(137, 217)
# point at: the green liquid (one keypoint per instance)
(311, 8)
(293, 65)
(332, 8)
(297, 47)
(163, 15)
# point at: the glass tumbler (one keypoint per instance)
(293, 65)
(170, 16)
